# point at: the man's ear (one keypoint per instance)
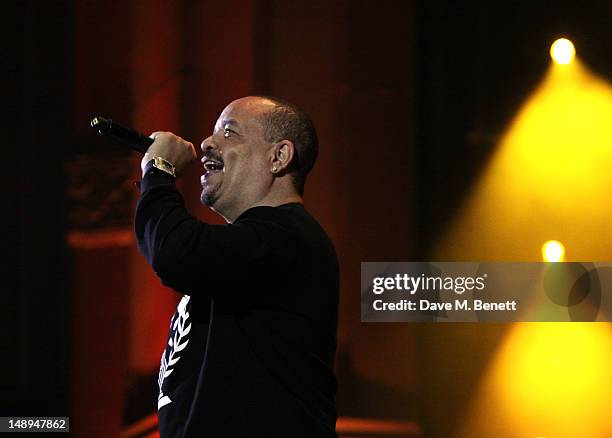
(284, 152)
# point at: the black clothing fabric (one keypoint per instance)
(251, 347)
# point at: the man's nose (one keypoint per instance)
(207, 144)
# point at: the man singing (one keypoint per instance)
(251, 347)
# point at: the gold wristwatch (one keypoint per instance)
(164, 165)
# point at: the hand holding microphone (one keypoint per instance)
(166, 145)
(171, 148)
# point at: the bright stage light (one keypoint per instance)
(547, 380)
(553, 251)
(553, 379)
(562, 51)
(550, 176)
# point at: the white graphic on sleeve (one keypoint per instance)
(177, 343)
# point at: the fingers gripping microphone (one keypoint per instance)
(127, 136)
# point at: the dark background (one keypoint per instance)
(409, 99)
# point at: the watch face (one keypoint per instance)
(164, 165)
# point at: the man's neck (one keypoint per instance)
(272, 199)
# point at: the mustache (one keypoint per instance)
(210, 155)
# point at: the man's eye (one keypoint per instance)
(227, 132)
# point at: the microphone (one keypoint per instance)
(134, 139)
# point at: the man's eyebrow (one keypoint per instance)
(230, 122)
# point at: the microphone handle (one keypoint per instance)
(134, 139)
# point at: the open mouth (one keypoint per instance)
(211, 166)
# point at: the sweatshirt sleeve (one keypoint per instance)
(201, 259)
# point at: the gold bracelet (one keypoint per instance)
(164, 165)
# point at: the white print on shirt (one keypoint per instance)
(177, 343)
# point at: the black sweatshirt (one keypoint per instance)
(251, 347)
